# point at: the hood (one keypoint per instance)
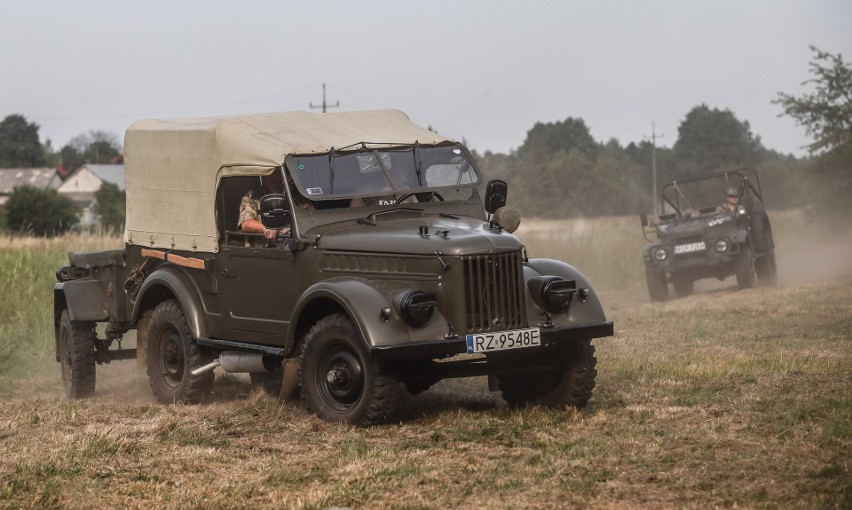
(697, 224)
(419, 236)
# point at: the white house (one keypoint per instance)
(85, 181)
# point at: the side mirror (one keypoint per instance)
(495, 195)
(274, 211)
(644, 219)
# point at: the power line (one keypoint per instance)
(324, 105)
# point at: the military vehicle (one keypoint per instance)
(386, 270)
(712, 226)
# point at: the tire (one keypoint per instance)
(172, 354)
(571, 384)
(683, 285)
(658, 288)
(77, 356)
(340, 382)
(767, 270)
(744, 269)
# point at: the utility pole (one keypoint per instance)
(324, 105)
(654, 137)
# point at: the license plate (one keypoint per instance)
(687, 248)
(503, 340)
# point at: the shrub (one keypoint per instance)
(44, 212)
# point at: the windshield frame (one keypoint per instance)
(375, 154)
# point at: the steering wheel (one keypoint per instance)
(425, 196)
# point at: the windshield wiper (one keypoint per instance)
(393, 210)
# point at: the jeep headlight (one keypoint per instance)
(552, 293)
(722, 245)
(417, 307)
(660, 254)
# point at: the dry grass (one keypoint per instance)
(724, 399)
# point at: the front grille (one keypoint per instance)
(493, 292)
(689, 239)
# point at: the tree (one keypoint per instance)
(826, 113)
(713, 140)
(44, 212)
(19, 143)
(110, 204)
(98, 147)
(545, 140)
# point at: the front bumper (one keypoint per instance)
(452, 347)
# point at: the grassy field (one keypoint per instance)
(722, 399)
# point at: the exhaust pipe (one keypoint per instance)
(234, 362)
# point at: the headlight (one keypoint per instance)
(722, 245)
(552, 293)
(661, 254)
(417, 307)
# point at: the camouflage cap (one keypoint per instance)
(732, 192)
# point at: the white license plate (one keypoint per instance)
(687, 248)
(503, 340)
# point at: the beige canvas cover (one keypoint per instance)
(172, 167)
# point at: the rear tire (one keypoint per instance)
(745, 270)
(658, 288)
(571, 384)
(340, 382)
(77, 356)
(172, 355)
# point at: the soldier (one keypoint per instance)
(732, 200)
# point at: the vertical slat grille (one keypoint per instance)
(493, 298)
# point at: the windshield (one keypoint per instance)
(385, 171)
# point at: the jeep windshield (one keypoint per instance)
(368, 170)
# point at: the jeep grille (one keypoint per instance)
(493, 292)
(688, 239)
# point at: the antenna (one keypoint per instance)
(654, 137)
(324, 105)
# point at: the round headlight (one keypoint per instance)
(722, 245)
(661, 254)
(552, 293)
(417, 307)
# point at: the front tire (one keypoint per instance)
(340, 382)
(745, 270)
(658, 288)
(571, 384)
(172, 355)
(77, 356)
(767, 270)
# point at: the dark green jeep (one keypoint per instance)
(388, 271)
(712, 226)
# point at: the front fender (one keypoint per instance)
(167, 282)
(363, 301)
(589, 311)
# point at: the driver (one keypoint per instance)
(732, 200)
(249, 220)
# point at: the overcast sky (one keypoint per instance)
(483, 70)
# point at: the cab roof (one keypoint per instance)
(173, 166)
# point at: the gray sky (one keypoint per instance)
(483, 70)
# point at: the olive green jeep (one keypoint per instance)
(391, 266)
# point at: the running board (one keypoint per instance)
(228, 345)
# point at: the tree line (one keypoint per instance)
(560, 170)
